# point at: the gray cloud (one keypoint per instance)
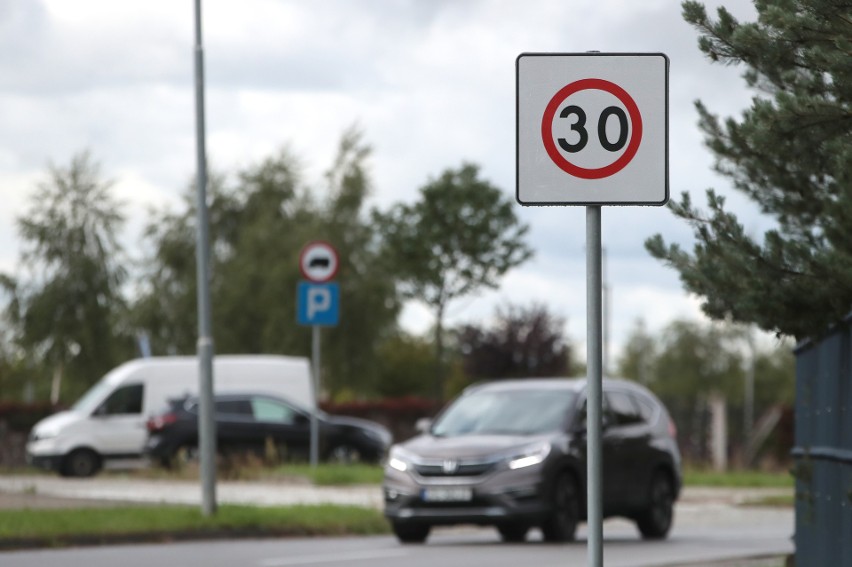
(431, 83)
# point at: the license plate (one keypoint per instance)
(447, 495)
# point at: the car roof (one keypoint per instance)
(556, 383)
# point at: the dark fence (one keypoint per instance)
(16, 420)
(400, 415)
(823, 451)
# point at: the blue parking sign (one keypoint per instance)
(318, 304)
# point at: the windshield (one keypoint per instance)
(94, 396)
(515, 412)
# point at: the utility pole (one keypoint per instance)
(206, 422)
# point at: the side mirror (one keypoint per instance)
(423, 425)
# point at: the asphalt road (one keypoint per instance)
(463, 548)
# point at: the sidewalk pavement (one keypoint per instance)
(283, 492)
(160, 491)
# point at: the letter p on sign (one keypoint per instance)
(319, 301)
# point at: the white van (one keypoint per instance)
(106, 426)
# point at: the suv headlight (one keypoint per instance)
(399, 460)
(529, 456)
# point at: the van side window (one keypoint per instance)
(125, 400)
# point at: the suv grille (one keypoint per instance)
(453, 468)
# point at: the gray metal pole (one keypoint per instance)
(748, 405)
(206, 422)
(316, 373)
(607, 294)
(594, 390)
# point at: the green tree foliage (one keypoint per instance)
(688, 362)
(791, 153)
(166, 303)
(16, 379)
(405, 366)
(522, 342)
(639, 355)
(258, 227)
(370, 304)
(461, 236)
(67, 310)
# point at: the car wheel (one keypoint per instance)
(81, 463)
(344, 454)
(513, 533)
(562, 524)
(656, 521)
(411, 533)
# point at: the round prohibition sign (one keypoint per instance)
(632, 144)
(318, 261)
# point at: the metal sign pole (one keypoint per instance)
(316, 373)
(206, 422)
(594, 388)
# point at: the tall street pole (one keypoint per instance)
(206, 423)
(594, 388)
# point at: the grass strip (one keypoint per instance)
(738, 479)
(58, 527)
(334, 474)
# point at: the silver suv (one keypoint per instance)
(512, 454)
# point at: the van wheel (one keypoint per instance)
(561, 526)
(80, 463)
(656, 520)
(411, 533)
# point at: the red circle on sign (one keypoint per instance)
(550, 114)
(328, 257)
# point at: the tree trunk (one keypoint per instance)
(439, 354)
(56, 384)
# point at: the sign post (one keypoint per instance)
(318, 304)
(592, 130)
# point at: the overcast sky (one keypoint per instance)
(430, 83)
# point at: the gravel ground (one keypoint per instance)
(33, 501)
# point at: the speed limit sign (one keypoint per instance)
(592, 129)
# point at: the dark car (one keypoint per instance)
(260, 423)
(512, 454)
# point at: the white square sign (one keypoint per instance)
(592, 129)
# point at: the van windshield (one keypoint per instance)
(94, 396)
(515, 412)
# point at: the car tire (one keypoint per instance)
(513, 532)
(561, 526)
(80, 463)
(656, 521)
(411, 533)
